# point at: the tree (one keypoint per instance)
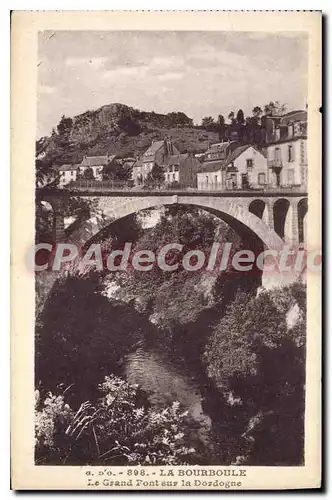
(88, 174)
(156, 177)
(82, 331)
(177, 296)
(240, 117)
(231, 117)
(116, 172)
(221, 127)
(257, 112)
(274, 108)
(208, 123)
(256, 358)
(65, 125)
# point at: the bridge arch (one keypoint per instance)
(302, 209)
(232, 212)
(257, 207)
(280, 213)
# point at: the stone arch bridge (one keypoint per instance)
(274, 217)
(268, 219)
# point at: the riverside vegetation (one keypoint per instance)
(170, 368)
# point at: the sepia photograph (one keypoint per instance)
(171, 253)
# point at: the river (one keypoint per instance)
(165, 379)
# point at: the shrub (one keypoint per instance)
(117, 430)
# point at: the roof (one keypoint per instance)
(138, 163)
(176, 159)
(96, 161)
(212, 166)
(289, 139)
(293, 116)
(219, 146)
(155, 146)
(215, 165)
(67, 167)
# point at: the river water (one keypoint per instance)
(166, 380)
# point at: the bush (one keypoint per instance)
(116, 430)
(256, 357)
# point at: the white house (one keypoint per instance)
(287, 161)
(70, 173)
(286, 149)
(67, 173)
(245, 167)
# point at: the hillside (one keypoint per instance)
(119, 129)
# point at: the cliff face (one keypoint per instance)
(120, 129)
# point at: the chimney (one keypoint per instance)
(165, 147)
(169, 147)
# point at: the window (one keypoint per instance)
(290, 177)
(173, 177)
(261, 179)
(244, 181)
(249, 163)
(207, 179)
(290, 153)
(277, 154)
(72, 173)
(176, 168)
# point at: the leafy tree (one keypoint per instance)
(156, 177)
(274, 108)
(231, 117)
(257, 112)
(116, 429)
(257, 359)
(82, 332)
(88, 174)
(180, 294)
(44, 223)
(240, 117)
(65, 125)
(221, 127)
(116, 172)
(208, 123)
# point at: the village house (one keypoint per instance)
(156, 154)
(220, 150)
(71, 173)
(182, 169)
(286, 150)
(67, 174)
(96, 164)
(243, 168)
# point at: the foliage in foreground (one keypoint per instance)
(116, 430)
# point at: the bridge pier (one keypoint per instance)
(268, 215)
(292, 224)
(58, 227)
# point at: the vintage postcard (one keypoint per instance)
(166, 250)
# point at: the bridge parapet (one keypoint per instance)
(98, 188)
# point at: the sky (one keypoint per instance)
(199, 73)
